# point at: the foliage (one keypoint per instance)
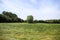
(35, 21)
(47, 21)
(53, 21)
(9, 17)
(30, 19)
(4, 18)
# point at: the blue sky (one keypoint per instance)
(40, 9)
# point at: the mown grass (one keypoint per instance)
(25, 31)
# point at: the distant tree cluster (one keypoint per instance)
(53, 21)
(47, 21)
(10, 17)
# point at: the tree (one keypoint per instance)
(20, 20)
(41, 21)
(4, 18)
(35, 21)
(11, 15)
(30, 19)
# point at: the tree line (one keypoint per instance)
(10, 17)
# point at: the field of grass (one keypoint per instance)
(25, 31)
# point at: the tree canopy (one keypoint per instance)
(9, 17)
(30, 19)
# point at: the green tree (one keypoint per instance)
(35, 21)
(4, 18)
(11, 15)
(30, 19)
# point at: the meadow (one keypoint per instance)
(26, 31)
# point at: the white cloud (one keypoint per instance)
(45, 11)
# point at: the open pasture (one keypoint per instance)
(25, 31)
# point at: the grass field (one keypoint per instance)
(25, 31)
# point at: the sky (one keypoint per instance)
(39, 9)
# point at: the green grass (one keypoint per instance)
(25, 31)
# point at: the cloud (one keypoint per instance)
(40, 9)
